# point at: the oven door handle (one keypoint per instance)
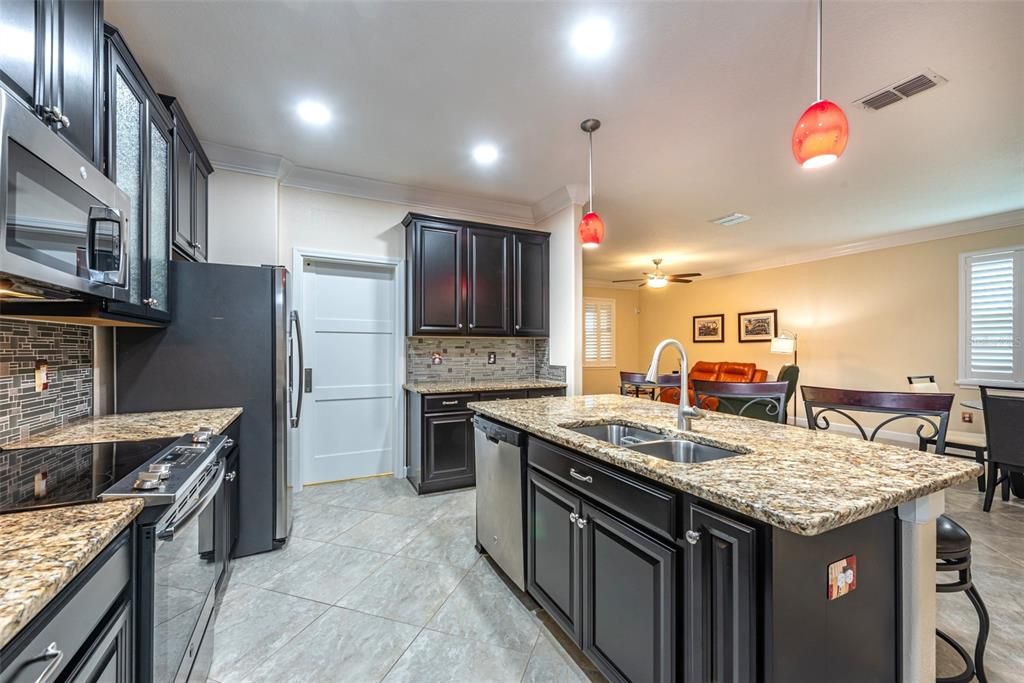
(167, 533)
(98, 214)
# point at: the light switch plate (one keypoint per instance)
(967, 416)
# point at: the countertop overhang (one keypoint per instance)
(801, 480)
(132, 427)
(41, 551)
(471, 386)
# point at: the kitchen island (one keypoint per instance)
(795, 555)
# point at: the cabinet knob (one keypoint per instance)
(460, 326)
(572, 518)
(517, 327)
(692, 537)
(581, 521)
(471, 326)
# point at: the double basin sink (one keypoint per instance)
(653, 444)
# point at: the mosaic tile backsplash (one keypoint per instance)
(68, 352)
(465, 359)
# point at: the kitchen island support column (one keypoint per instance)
(917, 539)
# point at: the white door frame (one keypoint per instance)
(397, 267)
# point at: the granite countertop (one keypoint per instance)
(804, 481)
(132, 427)
(465, 386)
(41, 551)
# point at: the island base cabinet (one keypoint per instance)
(720, 599)
(553, 551)
(610, 587)
(628, 591)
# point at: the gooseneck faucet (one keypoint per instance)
(686, 411)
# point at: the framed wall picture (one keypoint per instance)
(757, 326)
(709, 328)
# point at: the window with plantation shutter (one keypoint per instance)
(598, 333)
(992, 317)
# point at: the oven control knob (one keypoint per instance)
(162, 469)
(202, 435)
(147, 480)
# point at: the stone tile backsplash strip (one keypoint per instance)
(465, 359)
(68, 352)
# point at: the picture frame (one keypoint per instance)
(757, 326)
(709, 329)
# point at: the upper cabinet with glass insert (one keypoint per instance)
(139, 137)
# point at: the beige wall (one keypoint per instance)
(864, 321)
(627, 340)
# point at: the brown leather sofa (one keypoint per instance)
(724, 371)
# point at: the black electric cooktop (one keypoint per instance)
(63, 475)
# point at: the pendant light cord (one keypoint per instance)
(590, 168)
(819, 50)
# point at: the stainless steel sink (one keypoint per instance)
(618, 434)
(680, 450)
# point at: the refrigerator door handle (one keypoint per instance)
(298, 406)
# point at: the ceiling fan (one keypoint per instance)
(658, 279)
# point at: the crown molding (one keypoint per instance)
(240, 160)
(560, 199)
(408, 195)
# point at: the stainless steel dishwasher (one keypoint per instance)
(500, 461)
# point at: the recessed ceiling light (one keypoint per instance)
(485, 154)
(313, 112)
(592, 37)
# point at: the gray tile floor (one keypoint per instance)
(377, 583)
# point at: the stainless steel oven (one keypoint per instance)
(63, 224)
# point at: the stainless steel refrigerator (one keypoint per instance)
(229, 343)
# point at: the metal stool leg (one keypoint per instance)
(983, 625)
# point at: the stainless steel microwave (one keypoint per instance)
(63, 224)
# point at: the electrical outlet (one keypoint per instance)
(967, 416)
(492, 358)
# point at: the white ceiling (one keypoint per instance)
(698, 101)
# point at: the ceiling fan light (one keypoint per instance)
(820, 135)
(591, 231)
(657, 281)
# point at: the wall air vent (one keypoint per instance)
(901, 90)
(731, 219)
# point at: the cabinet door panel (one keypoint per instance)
(628, 600)
(21, 62)
(183, 165)
(720, 599)
(553, 551)
(531, 308)
(201, 234)
(438, 279)
(449, 444)
(488, 275)
(78, 41)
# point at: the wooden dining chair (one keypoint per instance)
(1004, 424)
(957, 440)
(756, 400)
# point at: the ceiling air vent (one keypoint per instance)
(731, 219)
(901, 90)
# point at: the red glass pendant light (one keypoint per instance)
(820, 135)
(591, 228)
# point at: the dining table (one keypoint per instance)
(1016, 479)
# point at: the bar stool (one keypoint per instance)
(953, 552)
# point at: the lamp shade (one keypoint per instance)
(783, 345)
(820, 135)
(591, 230)
(657, 281)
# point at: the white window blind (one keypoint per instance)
(598, 332)
(992, 317)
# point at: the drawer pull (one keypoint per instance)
(55, 656)
(579, 477)
(449, 403)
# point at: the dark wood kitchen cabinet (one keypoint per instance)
(138, 137)
(530, 308)
(488, 270)
(607, 581)
(190, 186)
(55, 65)
(85, 632)
(720, 597)
(441, 455)
(475, 279)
